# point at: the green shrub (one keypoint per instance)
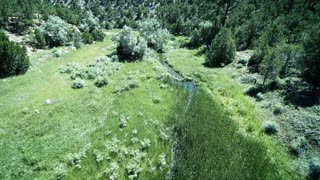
(222, 50)
(290, 57)
(259, 53)
(270, 128)
(311, 62)
(87, 38)
(78, 83)
(314, 171)
(270, 67)
(57, 32)
(101, 81)
(39, 39)
(130, 46)
(155, 36)
(97, 35)
(90, 22)
(13, 58)
(195, 39)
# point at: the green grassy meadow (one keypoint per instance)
(95, 133)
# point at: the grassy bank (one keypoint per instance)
(222, 132)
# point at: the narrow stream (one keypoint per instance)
(177, 76)
(191, 87)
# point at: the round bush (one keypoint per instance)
(222, 50)
(13, 58)
(101, 81)
(78, 83)
(155, 36)
(97, 35)
(130, 46)
(87, 38)
(270, 128)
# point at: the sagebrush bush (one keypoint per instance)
(13, 58)
(60, 171)
(101, 81)
(112, 172)
(78, 83)
(130, 46)
(97, 35)
(56, 31)
(222, 50)
(162, 162)
(270, 128)
(155, 36)
(90, 22)
(98, 71)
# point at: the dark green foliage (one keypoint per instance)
(270, 128)
(315, 169)
(210, 146)
(290, 57)
(222, 50)
(270, 38)
(97, 35)
(87, 38)
(196, 39)
(13, 58)
(39, 40)
(270, 67)
(311, 62)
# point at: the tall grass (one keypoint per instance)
(209, 146)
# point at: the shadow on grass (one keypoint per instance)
(210, 147)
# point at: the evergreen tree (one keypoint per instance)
(311, 62)
(270, 66)
(14, 59)
(222, 50)
(39, 39)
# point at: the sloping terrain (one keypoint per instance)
(142, 124)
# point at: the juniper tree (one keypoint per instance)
(311, 62)
(222, 50)
(270, 66)
(13, 58)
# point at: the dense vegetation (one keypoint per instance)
(264, 26)
(14, 59)
(118, 123)
(209, 145)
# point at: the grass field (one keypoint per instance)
(221, 135)
(104, 133)
(41, 141)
